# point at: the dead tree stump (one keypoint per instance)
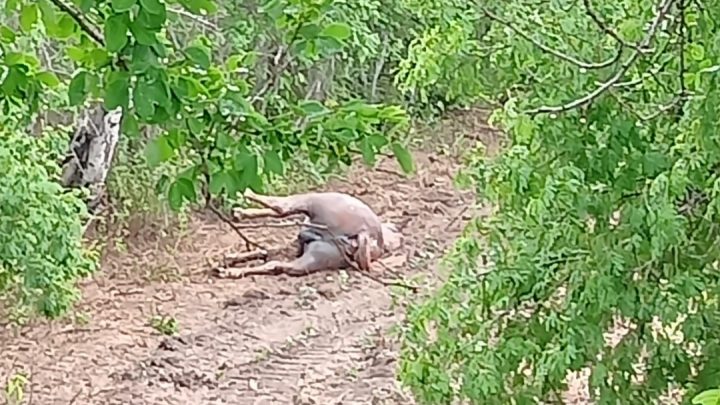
(91, 153)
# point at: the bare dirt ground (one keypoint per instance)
(321, 339)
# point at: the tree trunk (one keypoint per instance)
(91, 153)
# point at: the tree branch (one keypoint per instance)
(652, 31)
(194, 18)
(605, 28)
(660, 108)
(683, 40)
(554, 52)
(234, 227)
(89, 30)
(651, 72)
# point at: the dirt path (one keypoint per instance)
(321, 339)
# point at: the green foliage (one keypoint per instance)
(14, 391)
(224, 122)
(40, 228)
(708, 397)
(606, 200)
(218, 97)
(606, 208)
(166, 325)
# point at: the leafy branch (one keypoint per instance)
(660, 15)
(554, 52)
(609, 30)
(84, 25)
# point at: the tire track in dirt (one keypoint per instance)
(244, 346)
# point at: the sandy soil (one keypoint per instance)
(321, 339)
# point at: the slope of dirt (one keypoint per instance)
(320, 339)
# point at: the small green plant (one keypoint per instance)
(166, 325)
(41, 226)
(15, 388)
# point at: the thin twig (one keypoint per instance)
(605, 28)
(80, 21)
(224, 218)
(456, 217)
(195, 18)
(683, 27)
(274, 80)
(651, 72)
(624, 68)
(288, 224)
(378, 69)
(660, 109)
(554, 52)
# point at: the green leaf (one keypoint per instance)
(157, 151)
(220, 181)
(181, 190)
(696, 51)
(709, 397)
(378, 141)
(75, 53)
(153, 6)
(339, 31)
(129, 126)
(176, 138)
(99, 57)
(367, 151)
(86, 5)
(77, 91)
(14, 78)
(234, 62)
(158, 91)
(312, 107)
(6, 35)
(151, 21)
(363, 109)
(199, 56)
(142, 58)
(329, 45)
(403, 157)
(524, 130)
(142, 102)
(247, 164)
(24, 59)
(117, 92)
(11, 5)
(224, 140)
(631, 29)
(115, 32)
(63, 28)
(142, 35)
(28, 16)
(309, 31)
(48, 78)
(122, 5)
(195, 125)
(273, 163)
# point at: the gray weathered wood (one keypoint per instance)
(92, 149)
